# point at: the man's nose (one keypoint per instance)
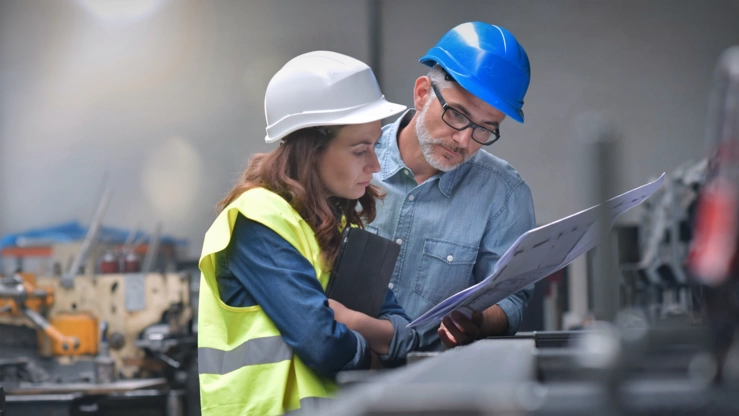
(463, 137)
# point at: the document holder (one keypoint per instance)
(362, 271)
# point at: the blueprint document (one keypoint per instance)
(537, 254)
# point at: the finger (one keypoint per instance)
(446, 338)
(477, 318)
(460, 337)
(467, 326)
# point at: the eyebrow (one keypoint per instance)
(364, 142)
(467, 113)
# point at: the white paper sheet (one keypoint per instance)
(537, 254)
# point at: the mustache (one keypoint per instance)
(449, 146)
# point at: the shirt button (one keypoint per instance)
(411, 197)
(399, 241)
(407, 172)
(390, 286)
(449, 258)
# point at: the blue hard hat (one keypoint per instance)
(487, 61)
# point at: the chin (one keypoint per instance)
(352, 194)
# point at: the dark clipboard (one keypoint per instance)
(362, 271)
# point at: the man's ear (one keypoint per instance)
(421, 92)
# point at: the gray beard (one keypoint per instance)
(428, 142)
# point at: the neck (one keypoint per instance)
(411, 153)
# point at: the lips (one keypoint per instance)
(451, 152)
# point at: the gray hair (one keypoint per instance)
(440, 78)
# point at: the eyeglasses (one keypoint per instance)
(459, 121)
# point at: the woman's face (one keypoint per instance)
(346, 166)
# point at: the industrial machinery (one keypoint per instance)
(103, 334)
(107, 335)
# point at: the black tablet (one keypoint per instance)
(362, 271)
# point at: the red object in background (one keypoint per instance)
(131, 265)
(713, 250)
(109, 264)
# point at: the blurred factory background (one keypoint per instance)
(161, 103)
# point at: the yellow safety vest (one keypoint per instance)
(244, 365)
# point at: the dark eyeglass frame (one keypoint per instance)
(475, 127)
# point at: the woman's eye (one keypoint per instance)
(360, 153)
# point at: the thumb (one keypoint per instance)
(477, 318)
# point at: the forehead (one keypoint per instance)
(479, 109)
(359, 133)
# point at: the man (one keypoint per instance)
(454, 209)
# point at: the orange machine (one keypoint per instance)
(19, 296)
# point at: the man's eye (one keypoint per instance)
(458, 116)
(360, 153)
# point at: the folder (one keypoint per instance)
(362, 271)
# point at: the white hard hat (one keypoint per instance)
(323, 89)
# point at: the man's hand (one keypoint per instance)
(460, 330)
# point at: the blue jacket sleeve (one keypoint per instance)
(404, 339)
(265, 270)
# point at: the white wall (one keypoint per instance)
(170, 106)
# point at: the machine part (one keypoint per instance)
(67, 344)
(152, 250)
(83, 326)
(88, 242)
(713, 255)
(109, 263)
(175, 405)
(168, 360)
(116, 341)
(131, 263)
(157, 340)
(104, 370)
(2, 400)
(20, 291)
(417, 356)
(488, 377)
(135, 289)
(598, 133)
(323, 89)
(22, 370)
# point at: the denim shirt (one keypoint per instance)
(452, 228)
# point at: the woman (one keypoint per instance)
(269, 341)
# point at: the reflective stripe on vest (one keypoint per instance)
(252, 352)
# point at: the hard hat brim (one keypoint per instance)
(374, 111)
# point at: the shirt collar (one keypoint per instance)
(392, 163)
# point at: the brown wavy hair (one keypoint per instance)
(291, 171)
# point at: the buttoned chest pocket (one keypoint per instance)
(445, 269)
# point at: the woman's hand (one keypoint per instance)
(377, 332)
(345, 315)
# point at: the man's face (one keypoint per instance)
(444, 147)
